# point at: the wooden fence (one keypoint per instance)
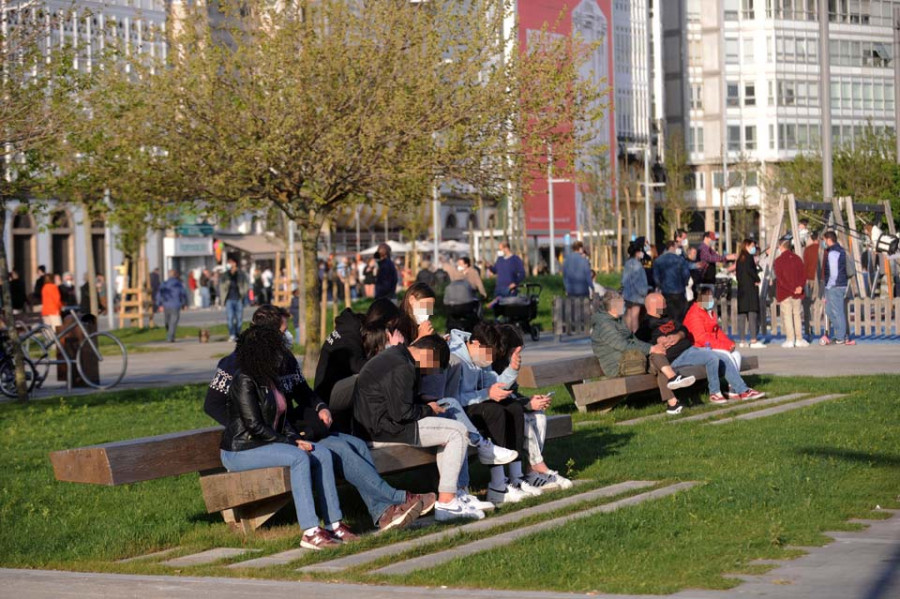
(878, 317)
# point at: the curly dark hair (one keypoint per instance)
(261, 353)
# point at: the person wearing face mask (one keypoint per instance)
(67, 290)
(672, 275)
(510, 271)
(418, 304)
(386, 278)
(634, 285)
(681, 242)
(702, 323)
(682, 349)
(748, 281)
(790, 283)
(465, 272)
(313, 422)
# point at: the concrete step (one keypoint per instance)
(449, 532)
(276, 559)
(206, 557)
(742, 405)
(780, 409)
(435, 559)
(154, 555)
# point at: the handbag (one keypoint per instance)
(632, 362)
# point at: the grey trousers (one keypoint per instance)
(172, 317)
(452, 440)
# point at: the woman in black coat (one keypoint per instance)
(260, 435)
(748, 295)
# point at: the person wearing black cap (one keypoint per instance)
(708, 258)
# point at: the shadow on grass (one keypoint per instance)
(878, 459)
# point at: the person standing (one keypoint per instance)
(234, 291)
(634, 285)
(39, 285)
(155, 282)
(835, 274)
(386, 278)
(672, 275)
(17, 292)
(266, 277)
(577, 276)
(790, 280)
(51, 302)
(681, 240)
(171, 298)
(813, 274)
(67, 290)
(748, 296)
(509, 270)
(708, 258)
(465, 272)
(204, 288)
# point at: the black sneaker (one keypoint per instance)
(674, 410)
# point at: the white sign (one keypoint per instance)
(181, 247)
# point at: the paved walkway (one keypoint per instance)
(861, 565)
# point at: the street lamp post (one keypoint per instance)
(550, 206)
(436, 222)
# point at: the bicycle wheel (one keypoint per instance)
(101, 360)
(35, 348)
(8, 377)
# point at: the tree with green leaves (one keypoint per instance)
(676, 207)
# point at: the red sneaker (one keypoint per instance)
(319, 540)
(752, 394)
(343, 534)
(717, 398)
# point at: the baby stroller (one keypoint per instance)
(462, 306)
(521, 310)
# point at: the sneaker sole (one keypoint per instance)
(684, 383)
(405, 518)
(306, 545)
(427, 508)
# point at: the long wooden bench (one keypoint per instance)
(577, 375)
(246, 499)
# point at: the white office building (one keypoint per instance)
(742, 84)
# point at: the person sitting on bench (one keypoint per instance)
(680, 351)
(433, 387)
(388, 507)
(385, 409)
(492, 406)
(259, 434)
(621, 353)
(702, 322)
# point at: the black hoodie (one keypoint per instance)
(661, 327)
(343, 354)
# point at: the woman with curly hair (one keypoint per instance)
(259, 435)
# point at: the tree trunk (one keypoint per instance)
(91, 267)
(300, 258)
(309, 241)
(19, 363)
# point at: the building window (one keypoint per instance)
(749, 55)
(732, 98)
(695, 53)
(732, 51)
(771, 137)
(747, 9)
(695, 140)
(731, 9)
(697, 96)
(734, 138)
(750, 138)
(749, 94)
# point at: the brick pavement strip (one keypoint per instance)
(372, 555)
(712, 413)
(779, 409)
(435, 559)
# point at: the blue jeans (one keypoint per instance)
(353, 461)
(696, 356)
(834, 310)
(234, 316)
(309, 470)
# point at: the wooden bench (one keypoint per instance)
(246, 499)
(577, 374)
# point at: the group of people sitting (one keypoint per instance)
(383, 377)
(664, 342)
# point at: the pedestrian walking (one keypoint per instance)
(577, 275)
(171, 298)
(234, 291)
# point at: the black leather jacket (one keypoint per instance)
(251, 414)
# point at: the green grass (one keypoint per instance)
(767, 484)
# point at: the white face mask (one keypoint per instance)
(288, 340)
(460, 267)
(421, 315)
(684, 242)
(499, 253)
(679, 251)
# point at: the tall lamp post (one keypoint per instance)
(550, 206)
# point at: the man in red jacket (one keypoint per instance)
(790, 282)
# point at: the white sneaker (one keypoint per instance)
(787, 344)
(680, 382)
(528, 488)
(473, 502)
(494, 455)
(801, 343)
(541, 481)
(509, 494)
(743, 344)
(562, 481)
(757, 345)
(455, 510)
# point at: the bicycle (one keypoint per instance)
(8, 371)
(100, 348)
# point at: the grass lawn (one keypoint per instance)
(767, 484)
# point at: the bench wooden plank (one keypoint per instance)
(605, 394)
(557, 372)
(142, 459)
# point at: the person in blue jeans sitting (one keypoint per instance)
(680, 351)
(310, 417)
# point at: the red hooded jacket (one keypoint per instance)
(704, 328)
